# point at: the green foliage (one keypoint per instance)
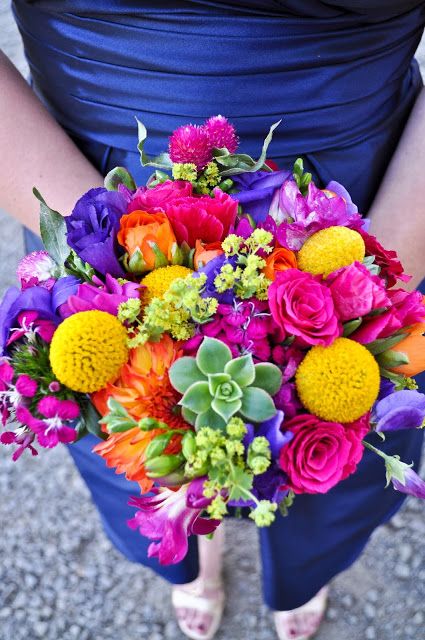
(117, 176)
(53, 232)
(302, 179)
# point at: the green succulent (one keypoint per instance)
(216, 386)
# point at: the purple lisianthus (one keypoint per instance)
(45, 303)
(400, 410)
(170, 517)
(413, 484)
(256, 191)
(211, 270)
(271, 430)
(92, 229)
(105, 296)
(301, 216)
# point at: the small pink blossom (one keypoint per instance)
(26, 386)
(52, 428)
(23, 437)
(37, 268)
(221, 133)
(154, 200)
(190, 144)
(31, 325)
(356, 292)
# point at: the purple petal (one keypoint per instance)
(414, 486)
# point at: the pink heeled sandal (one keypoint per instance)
(302, 623)
(205, 599)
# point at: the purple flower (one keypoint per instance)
(31, 325)
(413, 485)
(92, 229)
(256, 191)
(23, 437)
(400, 410)
(37, 268)
(52, 429)
(271, 430)
(171, 517)
(287, 400)
(211, 270)
(301, 216)
(6, 378)
(102, 296)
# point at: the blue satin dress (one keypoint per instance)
(342, 77)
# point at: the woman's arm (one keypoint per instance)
(398, 211)
(35, 151)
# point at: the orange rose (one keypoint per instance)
(280, 259)
(148, 239)
(206, 252)
(414, 347)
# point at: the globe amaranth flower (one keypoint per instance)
(256, 191)
(170, 517)
(216, 387)
(400, 410)
(303, 307)
(202, 218)
(92, 229)
(320, 454)
(221, 133)
(148, 240)
(190, 144)
(302, 216)
(37, 268)
(54, 426)
(103, 296)
(155, 199)
(356, 292)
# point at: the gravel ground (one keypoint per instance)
(60, 578)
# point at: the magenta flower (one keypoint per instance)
(31, 325)
(171, 517)
(221, 133)
(191, 143)
(102, 296)
(37, 268)
(52, 428)
(6, 378)
(356, 292)
(23, 437)
(301, 216)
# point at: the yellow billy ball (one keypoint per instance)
(88, 350)
(159, 280)
(339, 383)
(330, 249)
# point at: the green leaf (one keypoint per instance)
(197, 398)
(118, 176)
(268, 377)
(242, 370)
(53, 231)
(210, 419)
(383, 344)
(91, 419)
(157, 446)
(212, 356)
(183, 373)
(189, 416)
(245, 163)
(162, 161)
(226, 409)
(351, 326)
(391, 359)
(76, 267)
(163, 465)
(216, 379)
(257, 405)
(241, 485)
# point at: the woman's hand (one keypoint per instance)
(398, 211)
(35, 151)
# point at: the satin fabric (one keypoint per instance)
(341, 76)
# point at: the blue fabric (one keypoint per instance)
(340, 74)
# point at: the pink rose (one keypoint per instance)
(154, 200)
(202, 218)
(302, 306)
(356, 292)
(406, 308)
(320, 454)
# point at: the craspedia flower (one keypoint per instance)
(190, 144)
(88, 350)
(330, 249)
(158, 281)
(339, 383)
(221, 133)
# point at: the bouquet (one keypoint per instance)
(231, 332)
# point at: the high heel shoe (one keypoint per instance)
(302, 623)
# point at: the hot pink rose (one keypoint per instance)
(302, 306)
(320, 454)
(356, 292)
(406, 309)
(204, 218)
(154, 200)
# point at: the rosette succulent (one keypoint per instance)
(216, 387)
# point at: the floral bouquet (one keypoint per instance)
(230, 332)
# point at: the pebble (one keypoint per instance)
(402, 571)
(369, 610)
(419, 618)
(370, 633)
(405, 552)
(40, 629)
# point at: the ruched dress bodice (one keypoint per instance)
(339, 74)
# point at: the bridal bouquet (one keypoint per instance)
(231, 332)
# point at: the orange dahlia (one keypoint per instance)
(144, 389)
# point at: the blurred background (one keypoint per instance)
(60, 578)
